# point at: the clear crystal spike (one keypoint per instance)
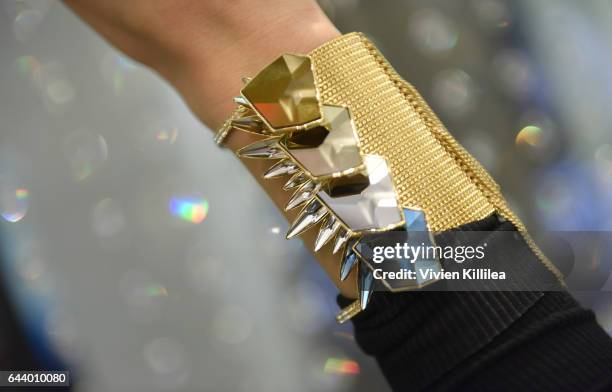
(366, 283)
(303, 194)
(348, 262)
(267, 148)
(327, 232)
(341, 238)
(312, 214)
(241, 101)
(280, 169)
(246, 79)
(297, 180)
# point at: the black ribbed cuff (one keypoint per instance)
(450, 339)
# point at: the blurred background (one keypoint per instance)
(145, 259)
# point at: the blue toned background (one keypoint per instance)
(147, 259)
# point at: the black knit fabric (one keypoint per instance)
(490, 341)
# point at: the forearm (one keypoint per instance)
(204, 48)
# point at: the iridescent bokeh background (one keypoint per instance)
(148, 260)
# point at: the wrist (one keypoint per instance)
(208, 72)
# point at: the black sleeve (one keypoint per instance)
(494, 340)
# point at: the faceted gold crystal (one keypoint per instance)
(284, 92)
(329, 151)
(371, 208)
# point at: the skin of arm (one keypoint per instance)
(203, 48)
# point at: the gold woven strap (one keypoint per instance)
(430, 169)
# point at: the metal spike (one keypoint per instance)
(298, 179)
(267, 148)
(251, 121)
(341, 238)
(303, 194)
(366, 283)
(241, 101)
(246, 128)
(312, 214)
(348, 262)
(280, 169)
(246, 79)
(248, 125)
(327, 232)
(249, 129)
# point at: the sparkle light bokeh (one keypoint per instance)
(14, 203)
(341, 366)
(193, 210)
(530, 135)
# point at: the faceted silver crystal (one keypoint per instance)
(366, 284)
(280, 169)
(303, 194)
(327, 232)
(423, 265)
(374, 207)
(267, 148)
(329, 151)
(297, 180)
(341, 238)
(312, 214)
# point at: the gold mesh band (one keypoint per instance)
(349, 72)
(430, 169)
